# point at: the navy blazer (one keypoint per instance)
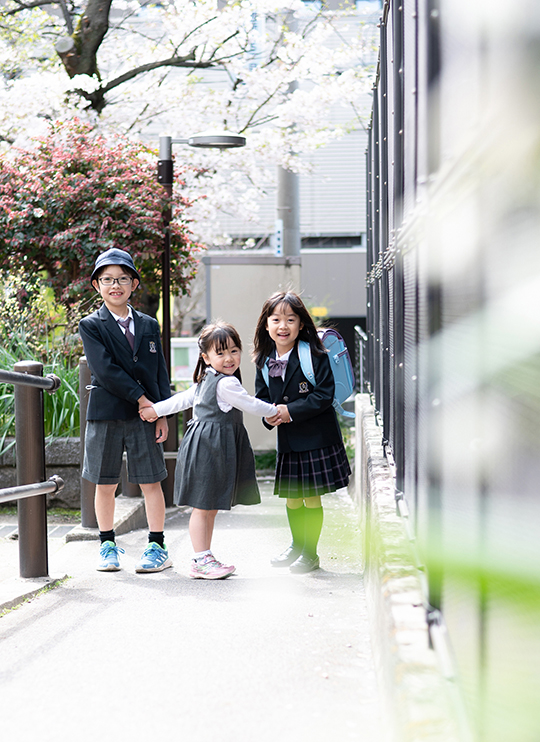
(314, 422)
(121, 375)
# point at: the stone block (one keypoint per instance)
(61, 458)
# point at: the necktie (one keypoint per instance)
(276, 368)
(129, 335)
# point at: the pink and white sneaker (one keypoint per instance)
(210, 569)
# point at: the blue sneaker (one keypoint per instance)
(108, 555)
(154, 559)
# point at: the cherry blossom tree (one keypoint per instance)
(182, 67)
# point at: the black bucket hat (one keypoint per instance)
(114, 256)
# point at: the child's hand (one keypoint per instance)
(162, 430)
(284, 413)
(274, 420)
(148, 414)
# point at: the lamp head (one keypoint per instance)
(217, 139)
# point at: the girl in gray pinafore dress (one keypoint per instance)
(216, 466)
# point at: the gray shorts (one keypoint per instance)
(105, 442)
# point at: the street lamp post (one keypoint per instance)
(216, 140)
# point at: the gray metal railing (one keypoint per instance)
(51, 382)
(360, 357)
(52, 485)
(31, 489)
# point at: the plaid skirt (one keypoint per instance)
(311, 473)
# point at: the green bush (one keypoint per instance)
(265, 460)
(31, 329)
(60, 408)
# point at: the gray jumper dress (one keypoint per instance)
(216, 466)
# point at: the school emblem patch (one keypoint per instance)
(152, 347)
(303, 389)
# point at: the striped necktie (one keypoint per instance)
(129, 335)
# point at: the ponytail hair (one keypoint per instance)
(215, 336)
(263, 344)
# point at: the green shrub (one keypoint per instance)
(60, 409)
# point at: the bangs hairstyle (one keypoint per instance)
(215, 337)
(263, 345)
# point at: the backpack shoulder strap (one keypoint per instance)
(264, 371)
(306, 362)
(338, 408)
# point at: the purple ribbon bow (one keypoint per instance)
(276, 368)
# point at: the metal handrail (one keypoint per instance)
(52, 485)
(29, 384)
(50, 383)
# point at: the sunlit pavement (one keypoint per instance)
(263, 655)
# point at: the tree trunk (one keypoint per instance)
(146, 302)
(94, 24)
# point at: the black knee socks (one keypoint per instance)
(107, 536)
(156, 537)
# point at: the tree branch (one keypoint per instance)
(26, 6)
(96, 98)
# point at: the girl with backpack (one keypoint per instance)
(216, 465)
(311, 458)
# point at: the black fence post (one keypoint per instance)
(88, 489)
(30, 461)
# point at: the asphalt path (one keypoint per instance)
(263, 655)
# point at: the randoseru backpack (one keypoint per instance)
(340, 363)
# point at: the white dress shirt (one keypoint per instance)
(131, 321)
(230, 393)
(284, 357)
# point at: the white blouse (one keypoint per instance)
(230, 393)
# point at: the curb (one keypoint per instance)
(129, 515)
(417, 695)
(17, 590)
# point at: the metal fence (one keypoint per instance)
(360, 359)
(31, 491)
(453, 348)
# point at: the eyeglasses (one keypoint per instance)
(110, 281)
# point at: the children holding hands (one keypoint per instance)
(216, 466)
(130, 399)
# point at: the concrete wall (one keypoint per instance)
(236, 288)
(421, 703)
(334, 279)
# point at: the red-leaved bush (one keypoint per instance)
(76, 195)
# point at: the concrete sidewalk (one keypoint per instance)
(264, 655)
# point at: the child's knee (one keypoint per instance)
(294, 503)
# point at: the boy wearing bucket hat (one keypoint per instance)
(124, 354)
